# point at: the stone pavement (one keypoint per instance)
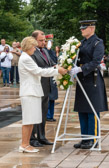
(9, 97)
(65, 156)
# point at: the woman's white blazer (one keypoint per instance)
(30, 76)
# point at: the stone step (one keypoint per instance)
(60, 100)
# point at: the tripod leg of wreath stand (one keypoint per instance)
(72, 78)
(68, 106)
(99, 141)
(60, 120)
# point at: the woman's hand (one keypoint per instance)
(62, 71)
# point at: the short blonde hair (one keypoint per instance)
(27, 43)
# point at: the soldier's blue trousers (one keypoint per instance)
(88, 123)
(50, 113)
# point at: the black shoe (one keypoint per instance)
(78, 145)
(54, 119)
(33, 138)
(51, 119)
(87, 145)
(45, 142)
(36, 143)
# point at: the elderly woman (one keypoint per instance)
(31, 90)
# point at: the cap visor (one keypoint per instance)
(83, 27)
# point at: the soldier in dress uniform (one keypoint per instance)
(90, 56)
(53, 95)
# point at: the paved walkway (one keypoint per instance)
(9, 97)
(65, 156)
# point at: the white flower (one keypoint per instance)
(58, 82)
(73, 37)
(69, 60)
(69, 50)
(72, 40)
(60, 56)
(63, 57)
(60, 64)
(64, 54)
(62, 60)
(59, 76)
(73, 48)
(66, 47)
(61, 87)
(63, 46)
(75, 40)
(69, 41)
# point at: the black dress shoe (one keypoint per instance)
(54, 119)
(45, 142)
(87, 145)
(78, 145)
(51, 119)
(36, 143)
(33, 138)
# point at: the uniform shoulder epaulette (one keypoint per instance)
(97, 41)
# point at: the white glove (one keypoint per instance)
(103, 66)
(49, 45)
(75, 70)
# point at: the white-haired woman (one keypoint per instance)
(31, 90)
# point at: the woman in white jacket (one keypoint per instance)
(5, 58)
(31, 90)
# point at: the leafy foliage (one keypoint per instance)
(14, 26)
(60, 17)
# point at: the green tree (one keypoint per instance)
(14, 25)
(99, 10)
(61, 17)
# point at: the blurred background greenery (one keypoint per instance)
(19, 19)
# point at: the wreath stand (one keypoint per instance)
(62, 137)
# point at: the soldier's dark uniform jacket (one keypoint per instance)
(90, 56)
